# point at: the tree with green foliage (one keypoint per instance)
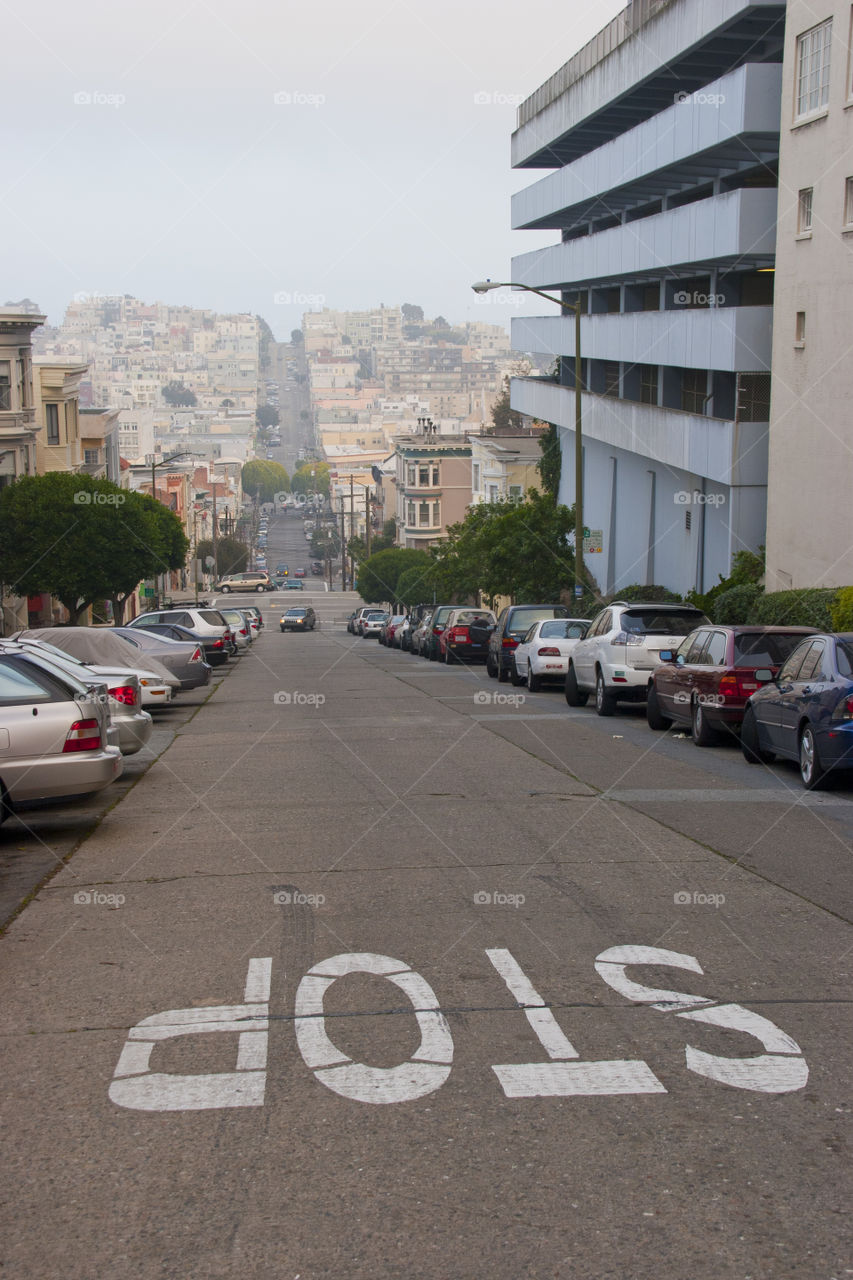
(378, 575)
(550, 464)
(415, 586)
(262, 479)
(326, 543)
(412, 314)
(510, 548)
(177, 395)
(232, 555)
(297, 337)
(311, 477)
(504, 418)
(84, 540)
(267, 415)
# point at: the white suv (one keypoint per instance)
(618, 654)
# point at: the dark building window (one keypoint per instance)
(753, 397)
(694, 390)
(648, 384)
(611, 378)
(51, 412)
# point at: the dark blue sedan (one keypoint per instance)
(806, 713)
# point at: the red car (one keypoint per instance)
(299, 573)
(466, 635)
(705, 682)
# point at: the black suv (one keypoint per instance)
(513, 624)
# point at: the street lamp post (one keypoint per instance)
(485, 286)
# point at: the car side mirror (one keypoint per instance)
(764, 675)
(667, 655)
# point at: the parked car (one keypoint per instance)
(359, 615)
(203, 621)
(300, 619)
(403, 634)
(429, 646)
(706, 682)
(373, 624)
(240, 629)
(419, 634)
(317, 568)
(299, 573)
(392, 622)
(133, 725)
(806, 713)
(544, 652)
(513, 624)
(351, 622)
(254, 580)
(56, 733)
(108, 654)
(616, 658)
(184, 660)
(293, 584)
(252, 612)
(465, 637)
(214, 651)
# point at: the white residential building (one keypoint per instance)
(663, 137)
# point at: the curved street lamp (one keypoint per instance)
(485, 286)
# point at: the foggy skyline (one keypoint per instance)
(342, 156)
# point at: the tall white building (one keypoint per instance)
(663, 136)
(809, 541)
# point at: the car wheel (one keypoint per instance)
(574, 697)
(703, 734)
(431, 654)
(491, 670)
(225, 590)
(534, 682)
(448, 658)
(654, 716)
(503, 673)
(282, 628)
(812, 771)
(750, 742)
(605, 703)
(514, 675)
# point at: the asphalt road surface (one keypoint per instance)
(375, 973)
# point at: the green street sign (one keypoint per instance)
(586, 533)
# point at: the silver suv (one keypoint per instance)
(618, 654)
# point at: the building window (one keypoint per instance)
(813, 48)
(515, 492)
(436, 514)
(5, 385)
(51, 413)
(91, 457)
(410, 519)
(611, 378)
(648, 384)
(848, 202)
(753, 397)
(694, 390)
(800, 330)
(435, 475)
(423, 476)
(412, 474)
(475, 476)
(423, 518)
(804, 210)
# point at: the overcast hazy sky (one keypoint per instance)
(146, 152)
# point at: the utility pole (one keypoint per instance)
(367, 517)
(215, 530)
(351, 526)
(343, 548)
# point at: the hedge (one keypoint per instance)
(736, 605)
(807, 608)
(842, 610)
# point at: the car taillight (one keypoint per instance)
(125, 694)
(84, 735)
(243, 631)
(459, 633)
(196, 656)
(548, 653)
(218, 644)
(509, 643)
(627, 637)
(844, 709)
(438, 630)
(737, 684)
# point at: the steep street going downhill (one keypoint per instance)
(385, 969)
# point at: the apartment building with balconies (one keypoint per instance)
(433, 481)
(504, 467)
(18, 424)
(811, 445)
(662, 135)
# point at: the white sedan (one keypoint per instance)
(543, 654)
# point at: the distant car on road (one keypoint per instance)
(255, 580)
(299, 573)
(299, 619)
(544, 652)
(293, 584)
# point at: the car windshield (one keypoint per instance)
(296, 613)
(651, 622)
(765, 650)
(372, 617)
(557, 630)
(523, 619)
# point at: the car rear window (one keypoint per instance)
(213, 617)
(651, 622)
(522, 620)
(844, 653)
(468, 616)
(559, 629)
(765, 650)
